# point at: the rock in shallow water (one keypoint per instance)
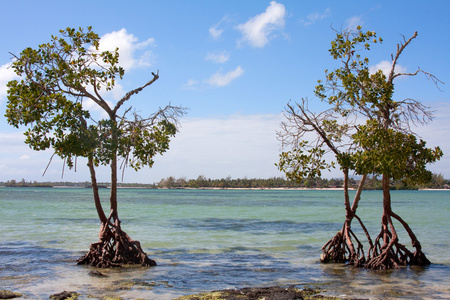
(267, 293)
(4, 294)
(96, 273)
(65, 295)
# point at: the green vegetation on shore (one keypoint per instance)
(437, 182)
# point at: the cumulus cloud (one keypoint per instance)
(132, 53)
(385, 66)
(218, 57)
(6, 74)
(218, 79)
(260, 29)
(314, 17)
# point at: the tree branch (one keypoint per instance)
(400, 48)
(135, 91)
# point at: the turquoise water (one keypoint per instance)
(206, 240)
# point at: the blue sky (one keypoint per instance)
(234, 64)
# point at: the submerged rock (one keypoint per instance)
(4, 294)
(69, 295)
(96, 273)
(267, 293)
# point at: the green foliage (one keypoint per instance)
(139, 143)
(298, 163)
(56, 78)
(399, 155)
(351, 88)
(364, 115)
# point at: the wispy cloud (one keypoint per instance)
(353, 22)
(18, 161)
(260, 29)
(316, 16)
(214, 147)
(218, 79)
(218, 147)
(191, 84)
(215, 32)
(217, 29)
(218, 57)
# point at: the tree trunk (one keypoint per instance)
(115, 248)
(113, 195)
(340, 248)
(98, 204)
(391, 254)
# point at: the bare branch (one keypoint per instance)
(400, 48)
(50, 161)
(135, 91)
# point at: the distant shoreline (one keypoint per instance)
(213, 188)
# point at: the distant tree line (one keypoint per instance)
(246, 183)
(86, 184)
(23, 183)
(437, 182)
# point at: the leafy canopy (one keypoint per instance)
(56, 78)
(366, 128)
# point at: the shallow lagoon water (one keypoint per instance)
(206, 240)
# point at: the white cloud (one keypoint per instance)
(313, 17)
(236, 146)
(94, 109)
(434, 134)
(246, 146)
(216, 31)
(353, 22)
(385, 66)
(219, 79)
(128, 48)
(190, 85)
(218, 57)
(6, 74)
(18, 161)
(132, 54)
(259, 29)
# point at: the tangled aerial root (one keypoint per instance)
(115, 249)
(341, 248)
(392, 254)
